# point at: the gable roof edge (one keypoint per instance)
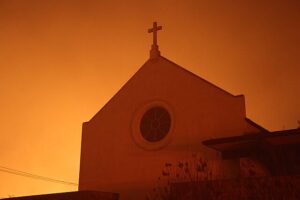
(262, 129)
(173, 63)
(116, 94)
(195, 75)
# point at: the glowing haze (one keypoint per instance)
(61, 61)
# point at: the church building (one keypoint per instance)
(162, 114)
(166, 114)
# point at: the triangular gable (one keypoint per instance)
(176, 66)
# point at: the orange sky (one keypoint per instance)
(61, 61)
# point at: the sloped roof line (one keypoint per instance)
(74, 195)
(252, 137)
(262, 129)
(178, 66)
(195, 75)
(116, 94)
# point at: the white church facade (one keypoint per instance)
(162, 114)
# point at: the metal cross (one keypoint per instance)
(154, 31)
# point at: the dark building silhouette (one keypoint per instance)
(80, 195)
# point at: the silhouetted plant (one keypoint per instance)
(192, 170)
(192, 180)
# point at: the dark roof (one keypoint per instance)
(78, 195)
(252, 142)
(262, 129)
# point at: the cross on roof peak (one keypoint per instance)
(154, 48)
(154, 31)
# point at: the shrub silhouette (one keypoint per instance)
(192, 180)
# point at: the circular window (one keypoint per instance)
(155, 124)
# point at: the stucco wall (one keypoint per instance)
(113, 160)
